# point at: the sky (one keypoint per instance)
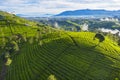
(35, 7)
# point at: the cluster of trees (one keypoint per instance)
(12, 45)
(114, 37)
(100, 37)
(101, 24)
(8, 60)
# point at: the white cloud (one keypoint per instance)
(9, 2)
(109, 30)
(56, 6)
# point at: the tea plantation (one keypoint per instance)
(43, 53)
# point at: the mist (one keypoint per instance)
(109, 30)
(84, 27)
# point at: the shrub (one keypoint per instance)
(100, 37)
(31, 40)
(119, 42)
(15, 46)
(40, 43)
(52, 77)
(8, 62)
(11, 46)
(7, 55)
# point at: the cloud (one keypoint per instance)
(109, 30)
(55, 6)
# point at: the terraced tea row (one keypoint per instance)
(45, 55)
(60, 56)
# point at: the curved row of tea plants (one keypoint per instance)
(60, 56)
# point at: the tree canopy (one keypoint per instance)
(100, 37)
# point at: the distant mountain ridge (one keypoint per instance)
(34, 15)
(90, 12)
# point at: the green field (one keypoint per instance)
(60, 54)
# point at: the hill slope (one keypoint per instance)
(72, 57)
(14, 32)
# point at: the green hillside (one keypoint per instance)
(42, 53)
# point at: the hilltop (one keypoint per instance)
(15, 19)
(12, 24)
(38, 52)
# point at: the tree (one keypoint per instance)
(116, 78)
(119, 42)
(3, 41)
(100, 37)
(31, 40)
(7, 55)
(40, 43)
(9, 25)
(12, 46)
(8, 61)
(39, 34)
(52, 77)
(20, 38)
(15, 46)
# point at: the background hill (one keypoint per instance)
(88, 12)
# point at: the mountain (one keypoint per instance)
(22, 15)
(34, 15)
(89, 12)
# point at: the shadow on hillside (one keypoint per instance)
(95, 45)
(95, 65)
(71, 63)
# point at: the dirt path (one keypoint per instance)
(3, 72)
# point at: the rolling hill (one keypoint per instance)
(51, 54)
(89, 12)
